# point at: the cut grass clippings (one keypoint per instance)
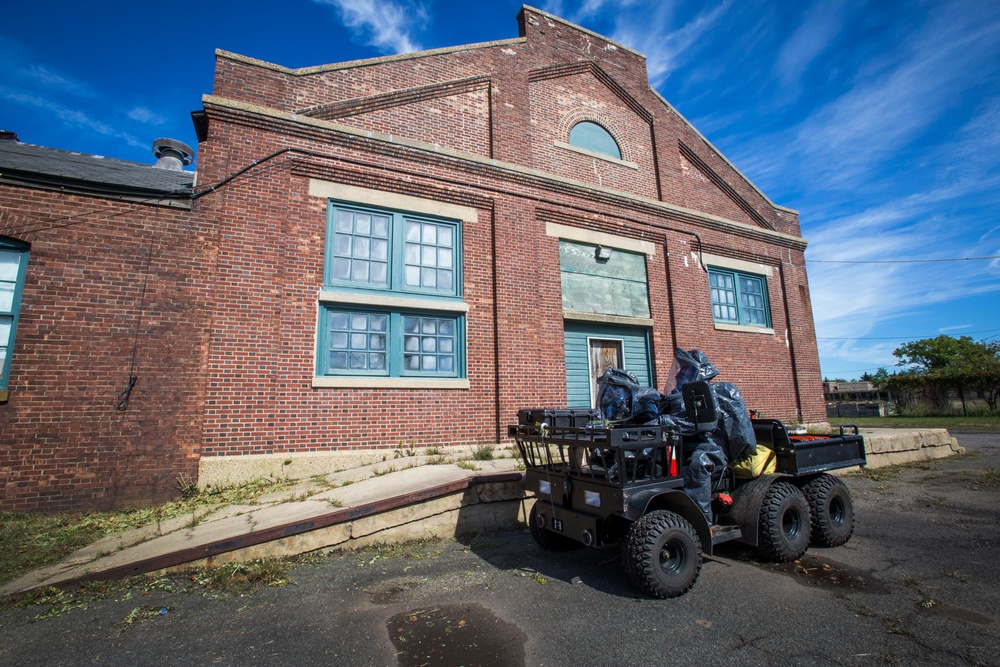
(31, 540)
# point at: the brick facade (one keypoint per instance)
(107, 280)
(240, 279)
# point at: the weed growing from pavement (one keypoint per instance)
(483, 452)
(436, 460)
(467, 465)
(433, 451)
(990, 478)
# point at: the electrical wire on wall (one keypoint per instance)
(121, 405)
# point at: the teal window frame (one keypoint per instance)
(739, 298)
(11, 292)
(420, 250)
(595, 138)
(397, 347)
(403, 256)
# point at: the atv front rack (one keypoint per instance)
(619, 456)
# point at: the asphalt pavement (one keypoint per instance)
(916, 585)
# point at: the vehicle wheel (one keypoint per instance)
(783, 528)
(546, 538)
(662, 554)
(832, 511)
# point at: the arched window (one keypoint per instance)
(592, 137)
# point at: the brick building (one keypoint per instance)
(104, 276)
(411, 248)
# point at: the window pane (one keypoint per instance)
(411, 277)
(9, 261)
(445, 237)
(444, 280)
(428, 345)
(412, 253)
(359, 361)
(429, 326)
(338, 340)
(359, 322)
(338, 361)
(359, 341)
(376, 342)
(362, 224)
(380, 226)
(339, 321)
(360, 271)
(362, 247)
(411, 343)
(345, 221)
(6, 297)
(376, 322)
(429, 234)
(428, 278)
(429, 256)
(411, 325)
(413, 231)
(446, 327)
(446, 364)
(444, 256)
(342, 245)
(379, 273)
(341, 268)
(376, 361)
(445, 345)
(429, 363)
(412, 362)
(5, 326)
(380, 249)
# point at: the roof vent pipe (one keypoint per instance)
(172, 154)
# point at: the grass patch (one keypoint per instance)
(483, 452)
(956, 423)
(242, 578)
(433, 451)
(467, 465)
(878, 474)
(30, 540)
(990, 478)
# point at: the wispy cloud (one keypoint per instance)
(144, 115)
(384, 24)
(650, 30)
(821, 24)
(66, 115)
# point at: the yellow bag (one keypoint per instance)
(754, 465)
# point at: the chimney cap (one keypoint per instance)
(171, 148)
(7, 135)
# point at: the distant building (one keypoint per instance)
(855, 399)
(398, 250)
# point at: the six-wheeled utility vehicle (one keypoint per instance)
(597, 483)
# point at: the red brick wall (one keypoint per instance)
(63, 445)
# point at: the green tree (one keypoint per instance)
(945, 362)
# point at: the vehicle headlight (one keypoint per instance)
(545, 486)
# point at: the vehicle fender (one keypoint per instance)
(747, 499)
(674, 501)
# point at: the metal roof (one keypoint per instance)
(39, 165)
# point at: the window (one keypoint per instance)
(13, 262)
(739, 298)
(592, 137)
(392, 251)
(394, 309)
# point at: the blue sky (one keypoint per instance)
(878, 121)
